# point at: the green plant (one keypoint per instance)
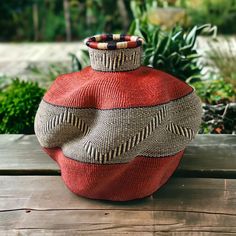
(214, 91)
(171, 51)
(18, 105)
(219, 112)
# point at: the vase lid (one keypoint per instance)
(115, 52)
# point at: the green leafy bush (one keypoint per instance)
(219, 112)
(214, 91)
(18, 106)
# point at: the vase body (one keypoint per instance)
(117, 129)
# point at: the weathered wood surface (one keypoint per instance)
(42, 204)
(206, 156)
(22, 154)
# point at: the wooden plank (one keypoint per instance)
(45, 192)
(66, 232)
(206, 156)
(121, 222)
(39, 232)
(210, 156)
(22, 154)
(43, 204)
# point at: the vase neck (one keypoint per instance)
(115, 52)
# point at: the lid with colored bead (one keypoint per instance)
(115, 52)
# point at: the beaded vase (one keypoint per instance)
(117, 129)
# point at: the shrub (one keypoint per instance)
(214, 91)
(218, 113)
(18, 106)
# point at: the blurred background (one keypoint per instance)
(192, 40)
(73, 20)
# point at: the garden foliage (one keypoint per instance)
(18, 105)
(172, 51)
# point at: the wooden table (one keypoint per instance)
(200, 199)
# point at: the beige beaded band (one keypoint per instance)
(115, 60)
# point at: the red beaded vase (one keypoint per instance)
(117, 129)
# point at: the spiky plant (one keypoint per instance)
(171, 51)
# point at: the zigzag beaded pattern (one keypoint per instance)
(130, 143)
(179, 130)
(68, 118)
(119, 60)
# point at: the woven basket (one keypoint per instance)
(117, 129)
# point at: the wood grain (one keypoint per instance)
(22, 154)
(49, 192)
(207, 156)
(42, 203)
